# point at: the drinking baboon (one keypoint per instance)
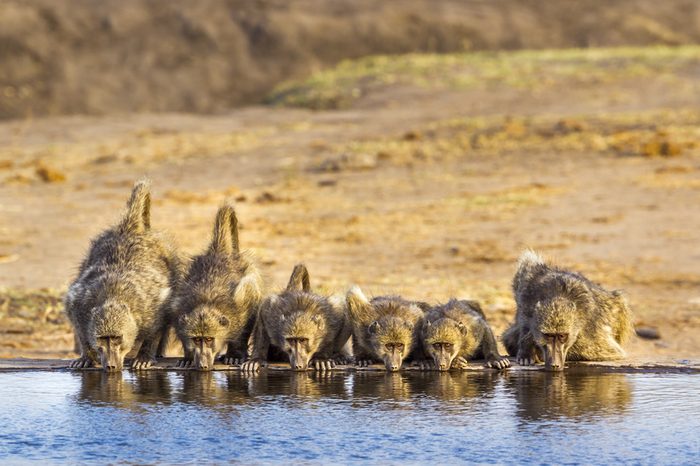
(217, 303)
(565, 316)
(385, 329)
(311, 329)
(456, 332)
(124, 290)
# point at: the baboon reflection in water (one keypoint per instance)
(107, 388)
(542, 396)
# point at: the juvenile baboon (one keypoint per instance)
(385, 329)
(311, 329)
(455, 332)
(123, 291)
(565, 315)
(218, 299)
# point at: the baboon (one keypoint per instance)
(455, 332)
(124, 290)
(217, 302)
(565, 315)
(385, 329)
(311, 329)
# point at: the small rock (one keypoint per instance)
(327, 183)
(648, 333)
(50, 175)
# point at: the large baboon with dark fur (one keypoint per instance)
(561, 315)
(123, 291)
(218, 300)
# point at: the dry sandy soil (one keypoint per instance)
(419, 185)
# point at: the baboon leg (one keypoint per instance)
(235, 353)
(88, 355)
(489, 348)
(164, 342)
(527, 350)
(261, 348)
(147, 353)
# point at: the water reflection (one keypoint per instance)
(102, 388)
(547, 396)
(536, 395)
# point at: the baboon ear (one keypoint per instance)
(299, 280)
(283, 317)
(223, 321)
(374, 327)
(462, 328)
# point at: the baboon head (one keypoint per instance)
(443, 339)
(304, 327)
(388, 325)
(391, 339)
(555, 331)
(205, 331)
(114, 330)
(302, 333)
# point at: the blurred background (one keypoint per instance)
(412, 147)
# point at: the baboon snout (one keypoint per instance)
(298, 362)
(555, 356)
(203, 361)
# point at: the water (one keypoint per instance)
(280, 417)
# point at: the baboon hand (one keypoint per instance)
(142, 362)
(498, 362)
(184, 363)
(82, 362)
(364, 362)
(459, 363)
(525, 360)
(322, 364)
(252, 365)
(342, 360)
(231, 361)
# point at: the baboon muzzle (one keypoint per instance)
(203, 359)
(554, 355)
(112, 361)
(297, 361)
(443, 360)
(393, 361)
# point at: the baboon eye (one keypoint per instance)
(448, 346)
(399, 347)
(197, 340)
(436, 346)
(208, 340)
(563, 338)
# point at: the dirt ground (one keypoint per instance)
(427, 191)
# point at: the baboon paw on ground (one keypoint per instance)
(459, 363)
(184, 363)
(82, 363)
(252, 365)
(322, 364)
(498, 363)
(142, 363)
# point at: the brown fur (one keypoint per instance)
(123, 291)
(309, 328)
(456, 332)
(385, 329)
(219, 298)
(592, 323)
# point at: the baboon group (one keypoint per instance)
(134, 288)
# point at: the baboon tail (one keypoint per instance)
(510, 340)
(300, 279)
(225, 238)
(138, 209)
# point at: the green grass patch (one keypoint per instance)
(341, 85)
